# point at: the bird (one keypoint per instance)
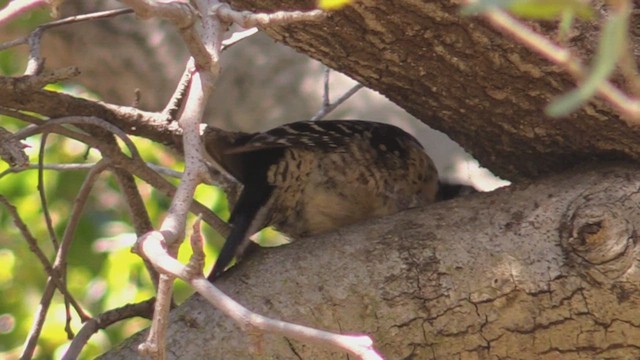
(311, 177)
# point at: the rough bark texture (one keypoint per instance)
(546, 270)
(461, 77)
(542, 271)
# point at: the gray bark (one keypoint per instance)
(543, 270)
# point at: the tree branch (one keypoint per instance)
(476, 276)
(152, 246)
(628, 106)
(59, 264)
(104, 320)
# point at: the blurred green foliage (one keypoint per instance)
(534, 9)
(612, 44)
(102, 272)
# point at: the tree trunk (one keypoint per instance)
(545, 270)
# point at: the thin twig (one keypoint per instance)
(152, 246)
(31, 341)
(172, 110)
(326, 98)
(85, 166)
(248, 19)
(81, 120)
(60, 261)
(58, 129)
(137, 212)
(325, 110)
(35, 62)
(142, 309)
(238, 37)
(146, 172)
(19, 41)
(33, 246)
(43, 198)
(100, 15)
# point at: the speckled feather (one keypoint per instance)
(308, 178)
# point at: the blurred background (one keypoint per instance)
(263, 84)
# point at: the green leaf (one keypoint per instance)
(566, 21)
(481, 6)
(550, 9)
(332, 4)
(533, 9)
(610, 48)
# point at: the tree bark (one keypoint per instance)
(544, 270)
(454, 73)
(459, 76)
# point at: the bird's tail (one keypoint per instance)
(247, 218)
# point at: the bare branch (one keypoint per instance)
(9, 44)
(152, 246)
(183, 16)
(33, 246)
(173, 226)
(249, 19)
(57, 128)
(85, 166)
(327, 108)
(38, 322)
(43, 197)
(59, 264)
(326, 98)
(102, 321)
(172, 110)
(83, 120)
(204, 43)
(238, 37)
(137, 212)
(100, 15)
(36, 62)
(30, 82)
(12, 150)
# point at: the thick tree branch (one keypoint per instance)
(460, 76)
(152, 246)
(480, 276)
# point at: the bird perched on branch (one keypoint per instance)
(307, 178)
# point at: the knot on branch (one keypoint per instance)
(12, 150)
(599, 235)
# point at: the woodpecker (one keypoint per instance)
(311, 177)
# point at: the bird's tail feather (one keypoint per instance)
(247, 218)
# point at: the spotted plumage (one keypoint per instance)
(307, 178)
